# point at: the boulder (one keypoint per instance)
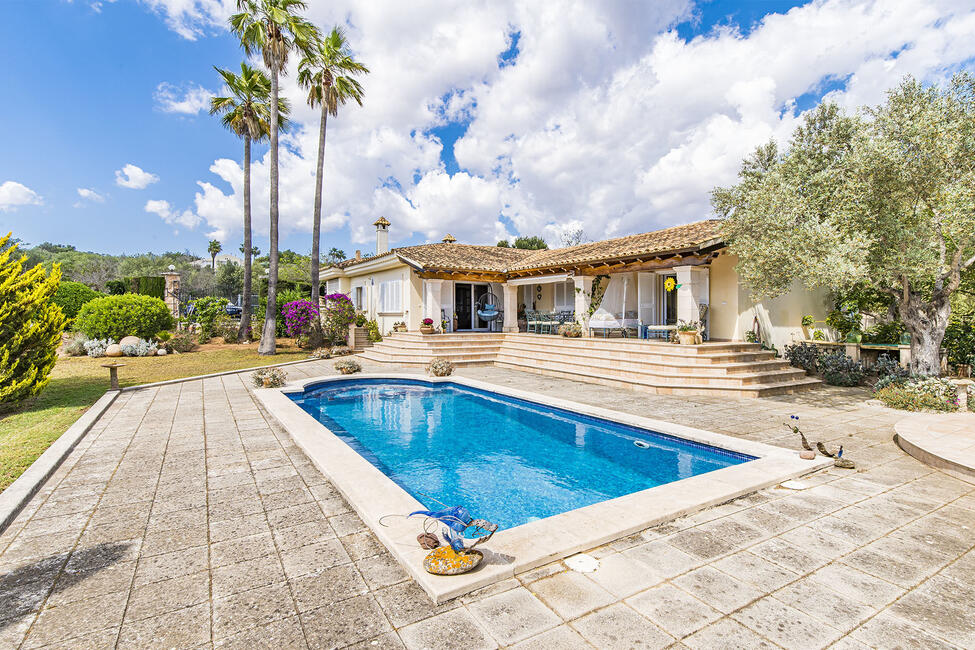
(130, 340)
(161, 352)
(114, 350)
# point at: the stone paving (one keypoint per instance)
(187, 518)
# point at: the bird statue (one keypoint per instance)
(795, 429)
(843, 463)
(825, 452)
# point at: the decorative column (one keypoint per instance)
(433, 301)
(583, 291)
(510, 307)
(693, 291)
(171, 295)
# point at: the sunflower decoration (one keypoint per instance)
(670, 284)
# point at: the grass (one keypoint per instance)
(77, 383)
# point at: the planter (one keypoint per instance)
(426, 329)
(964, 370)
(687, 338)
(399, 328)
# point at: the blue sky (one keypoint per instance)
(462, 147)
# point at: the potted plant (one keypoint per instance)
(807, 322)
(399, 326)
(687, 332)
(570, 330)
(427, 326)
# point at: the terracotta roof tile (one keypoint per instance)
(463, 257)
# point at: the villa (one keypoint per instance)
(489, 300)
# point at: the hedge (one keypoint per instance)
(145, 285)
(127, 315)
(71, 297)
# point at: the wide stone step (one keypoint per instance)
(632, 363)
(644, 356)
(668, 377)
(708, 347)
(640, 384)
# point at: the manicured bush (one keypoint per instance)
(126, 315)
(920, 393)
(440, 367)
(30, 325)
(143, 348)
(802, 355)
(840, 370)
(72, 296)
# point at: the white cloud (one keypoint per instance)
(14, 195)
(187, 100)
(90, 195)
(606, 118)
(134, 177)
(186, 218)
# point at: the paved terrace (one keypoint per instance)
(187, 518)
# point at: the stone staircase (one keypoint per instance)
(713, 368)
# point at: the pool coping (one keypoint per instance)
(375, 497)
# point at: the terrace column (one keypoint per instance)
(583, 290)
(694, 291)
(433, 301)
(510, 307)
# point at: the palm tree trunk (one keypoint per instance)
(316, 229)
(245, 311)
(268, 341)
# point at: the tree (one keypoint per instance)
(246, 111)
(531, 243)
(214, 249)
(272, 28)
(230, 280)
(504, 244)
(884, 199)
(574, 237)
(30, 325)
(334, 256)
(327, 70)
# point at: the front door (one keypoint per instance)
(463, 305)
(670, 303)
(479, 291)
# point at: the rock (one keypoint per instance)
(807, 455)
(130, 340)
(161, 352)
(114, 350)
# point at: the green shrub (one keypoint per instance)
(920, 393)
(840, 370)
(802, 355)
(959, 341)
(205, 312)
(283, 297)
(72, 296)
(372, 331)
(130, 314)
(888, 333)
(30, 325)
(152, 285)
(183, 341)
(75, 346)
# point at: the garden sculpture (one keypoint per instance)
(456, 557)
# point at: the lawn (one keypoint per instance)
(78, 382)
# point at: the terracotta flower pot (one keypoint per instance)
(687, 338)
(426, 329)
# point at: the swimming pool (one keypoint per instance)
(508, 460)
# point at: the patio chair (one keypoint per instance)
(550, 322)
(533, 320)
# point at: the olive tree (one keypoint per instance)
(883, 199)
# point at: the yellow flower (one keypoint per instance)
(669, 284)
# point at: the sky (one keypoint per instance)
(486, 120)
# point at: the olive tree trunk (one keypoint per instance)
(268, 341)
(926, 322)
(245, 308)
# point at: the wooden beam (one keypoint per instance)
(461, 276)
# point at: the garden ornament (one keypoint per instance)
(456, 557)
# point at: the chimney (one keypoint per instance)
(449, 239)
(358, 255)
(382, 235)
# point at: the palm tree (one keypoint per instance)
(213, 249)
(272, 28)
(328, 71)
(247, 112)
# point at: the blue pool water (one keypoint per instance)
(506, 460)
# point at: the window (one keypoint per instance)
(391, 297)
(565, 296)
(357, 298)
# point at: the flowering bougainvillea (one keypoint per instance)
(336, 316)
(299, 316)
